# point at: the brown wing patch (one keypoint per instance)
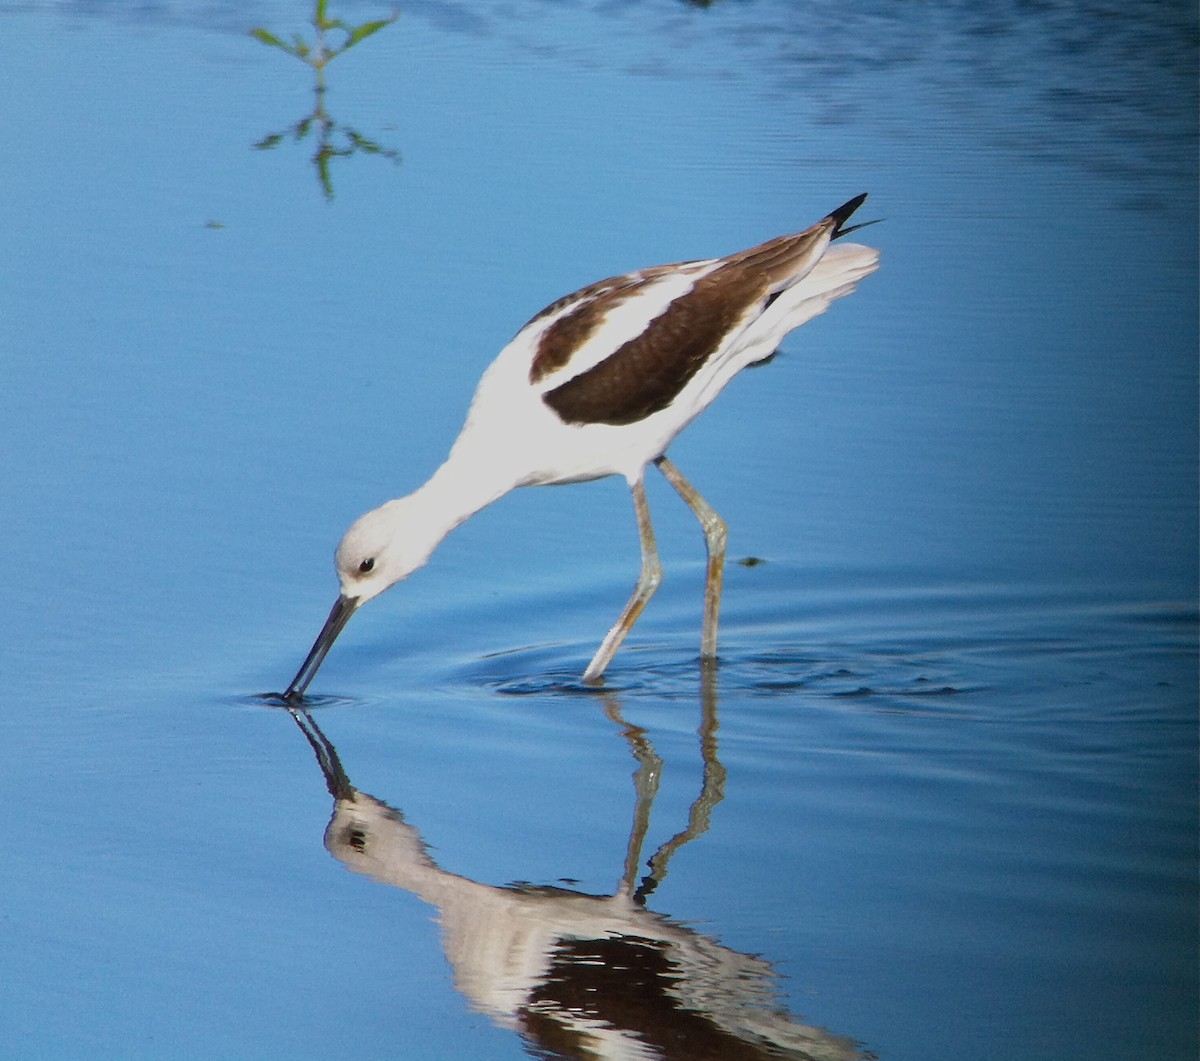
(593, 303)
(645, 374)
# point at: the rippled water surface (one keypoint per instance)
(936, 799)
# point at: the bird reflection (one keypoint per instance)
(579, 975)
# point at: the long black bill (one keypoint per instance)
(338, 618)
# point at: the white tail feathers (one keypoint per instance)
(834, 276)
(838, 272)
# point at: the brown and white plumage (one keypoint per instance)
(599, 383)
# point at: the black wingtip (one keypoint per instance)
(842, 214)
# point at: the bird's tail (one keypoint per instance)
(835, 275)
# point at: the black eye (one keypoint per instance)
(366, 566)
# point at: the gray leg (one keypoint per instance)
(647, 583)
(715, 534)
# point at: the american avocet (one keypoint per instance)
(600, 383)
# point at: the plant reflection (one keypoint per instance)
(579, 975)
(333, 141)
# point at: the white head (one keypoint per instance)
(380, 549)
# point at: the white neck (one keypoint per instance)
(465, 483)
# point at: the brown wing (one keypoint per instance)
(645, 374)
(592, 305)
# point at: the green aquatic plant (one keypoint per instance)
(317, 54)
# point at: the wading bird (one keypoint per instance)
(600, 383)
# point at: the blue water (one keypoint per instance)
(938, 798)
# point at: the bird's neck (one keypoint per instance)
(465, 483)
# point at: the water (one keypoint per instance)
(938, 800)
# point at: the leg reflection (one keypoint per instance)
(648, 776)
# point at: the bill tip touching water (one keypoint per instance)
(600, 383)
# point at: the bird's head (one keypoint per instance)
(380, 548)
(370, 557)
